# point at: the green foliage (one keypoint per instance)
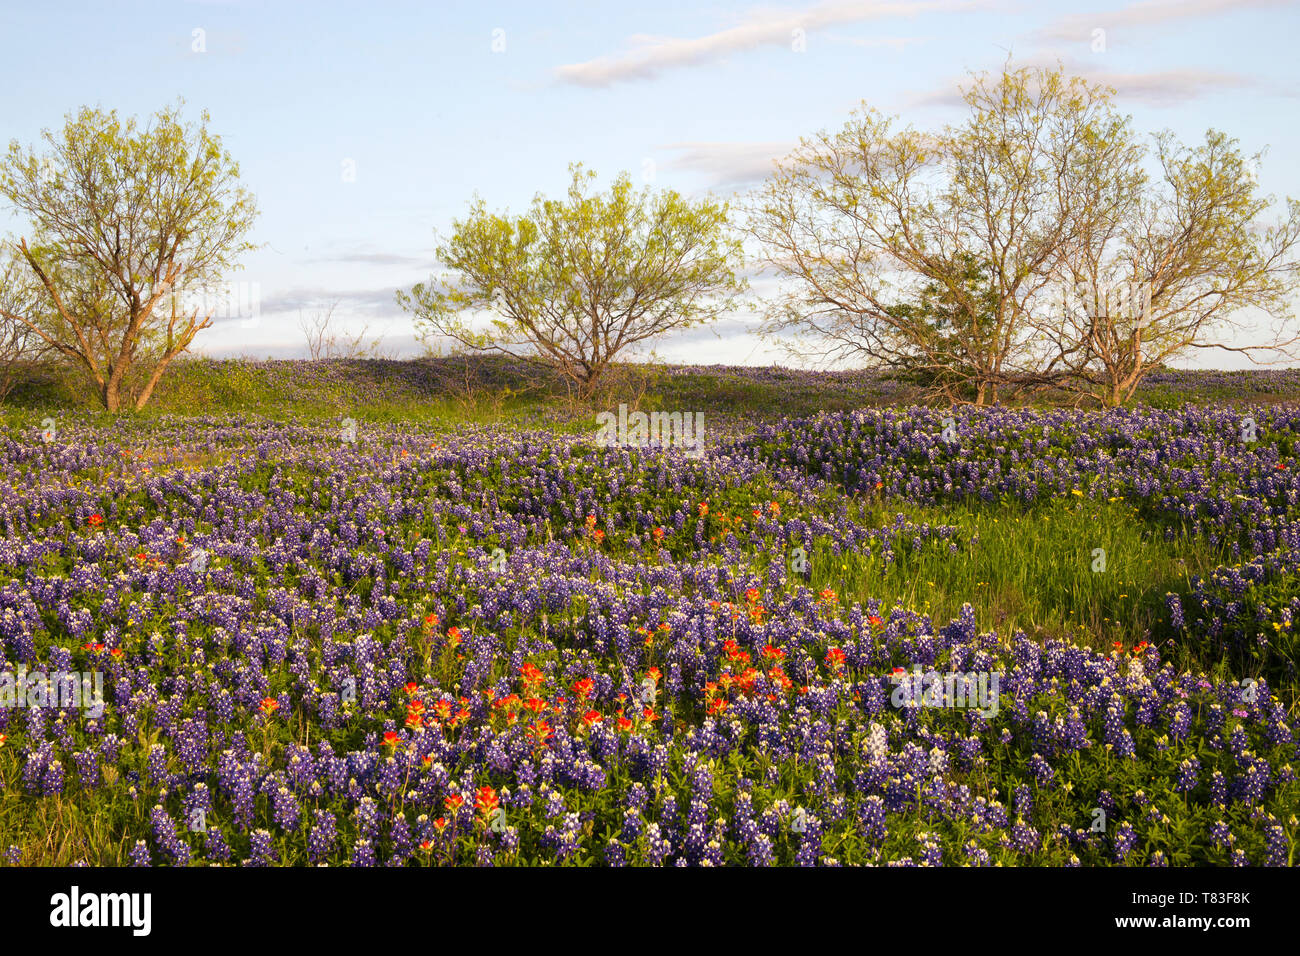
(946, 361)
(578, 282)
(1026, 247)
(130, 227)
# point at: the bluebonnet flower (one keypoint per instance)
(140, 854)
(321, 838)
(871, 816)
(261, 853)
(1175, 606)
(215, 846)
(1123, 840)
(760, 851)
(976, 855)
(363, 853)
(1218, 789)
(1276, 846)
(166, 837)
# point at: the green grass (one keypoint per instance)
(1033, 569)
(489, 389)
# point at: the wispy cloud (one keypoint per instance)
(654, 55)
(382, 300)
(1172, 87)
(1148, 13)
(728, 164)
(1161, 88)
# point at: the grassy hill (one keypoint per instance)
(496, 389)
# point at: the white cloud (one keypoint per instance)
(654, 55)
(381, 301)
(1148, 13)
(728, 164)
(1161, 88)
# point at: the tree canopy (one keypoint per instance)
(129, 226)
(579, 281)
(959, 253)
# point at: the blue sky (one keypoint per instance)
(430, 102)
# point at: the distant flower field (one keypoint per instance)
(877, 637)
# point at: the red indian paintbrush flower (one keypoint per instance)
(485, 801)
(541, 732)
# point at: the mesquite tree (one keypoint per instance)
(1031, 246)
(873, 228)
(578, 281)
(129, 226)
(1161, 266)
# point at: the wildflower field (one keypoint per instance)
(438, 641)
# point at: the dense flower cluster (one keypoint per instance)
(1230, 474)
(509, 646)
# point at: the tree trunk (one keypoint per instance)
(112, 387)
(589, 383)
(149, 385)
